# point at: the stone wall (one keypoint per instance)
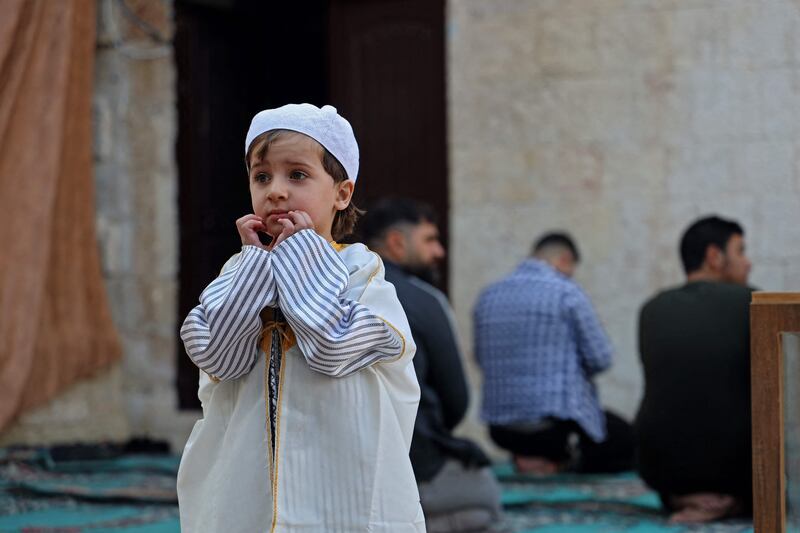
(621, 121)
(135, 126)
(136, 174)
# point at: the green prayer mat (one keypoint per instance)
(131, 493)
(583, 503)
(136, 494)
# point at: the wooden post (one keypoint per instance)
(771, 314)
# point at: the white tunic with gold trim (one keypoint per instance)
(347, 397)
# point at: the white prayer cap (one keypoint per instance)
(324, 125)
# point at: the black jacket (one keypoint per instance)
(693, 426)
(443, 386)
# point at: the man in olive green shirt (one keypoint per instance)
(693, 426)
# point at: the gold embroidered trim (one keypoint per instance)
(267, 355)
(278, 441)
(288, 340)
(284, 330)
(402, 338)
(372, 276)
(338, 247)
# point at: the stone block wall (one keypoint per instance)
(137, 207)
(621, 121)
(134, 126)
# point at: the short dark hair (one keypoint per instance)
(557, 238)
(705, 232)
(389, 213)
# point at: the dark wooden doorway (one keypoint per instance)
(380, 62)
(387, 64)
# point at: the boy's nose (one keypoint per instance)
(277, 191)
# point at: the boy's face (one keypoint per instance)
(291, 177)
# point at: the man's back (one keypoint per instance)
(695, 416)
(538, 342)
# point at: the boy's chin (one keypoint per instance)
(273, 230)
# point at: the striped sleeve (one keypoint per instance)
(221, 334)
(336, 336)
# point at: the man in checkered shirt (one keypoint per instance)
(540, 344)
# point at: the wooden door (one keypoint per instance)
(387, 76)
(380, 62)
(234, 58)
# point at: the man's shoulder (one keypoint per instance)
(425, 289)
(730, 295)
(665, 294)
(413, 291)
(494, 289)
(522, 280)
(520, 292)
(708, 292)
(395, 275)
(705, 287)
(665, 297)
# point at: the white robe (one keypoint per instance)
(344, 419)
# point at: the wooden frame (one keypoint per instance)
(771, 314)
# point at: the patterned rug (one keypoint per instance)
(135, 493)
(131, 493)
(589, 503)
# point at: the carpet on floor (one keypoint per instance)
(567, 503)
(52, 491)
(40, 493)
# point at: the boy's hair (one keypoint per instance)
(345, 220)
(392, 213)
(553, 240)
(705, 232)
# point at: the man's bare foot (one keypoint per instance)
(702, 507)
(539, 466)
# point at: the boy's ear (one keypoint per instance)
(344, 193)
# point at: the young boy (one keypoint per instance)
(308, 391)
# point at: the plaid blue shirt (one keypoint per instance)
(539, 342)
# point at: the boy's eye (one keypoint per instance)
(298, 175)
(260, 177)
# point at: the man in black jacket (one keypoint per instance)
(457, 489)
(693, 426)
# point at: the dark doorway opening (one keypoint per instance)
(380, 62)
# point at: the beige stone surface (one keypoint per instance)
(136, 123)
(620, 121)
(136, 179)
(90, 411)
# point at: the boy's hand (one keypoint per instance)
(294, 222)
(249, 226)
